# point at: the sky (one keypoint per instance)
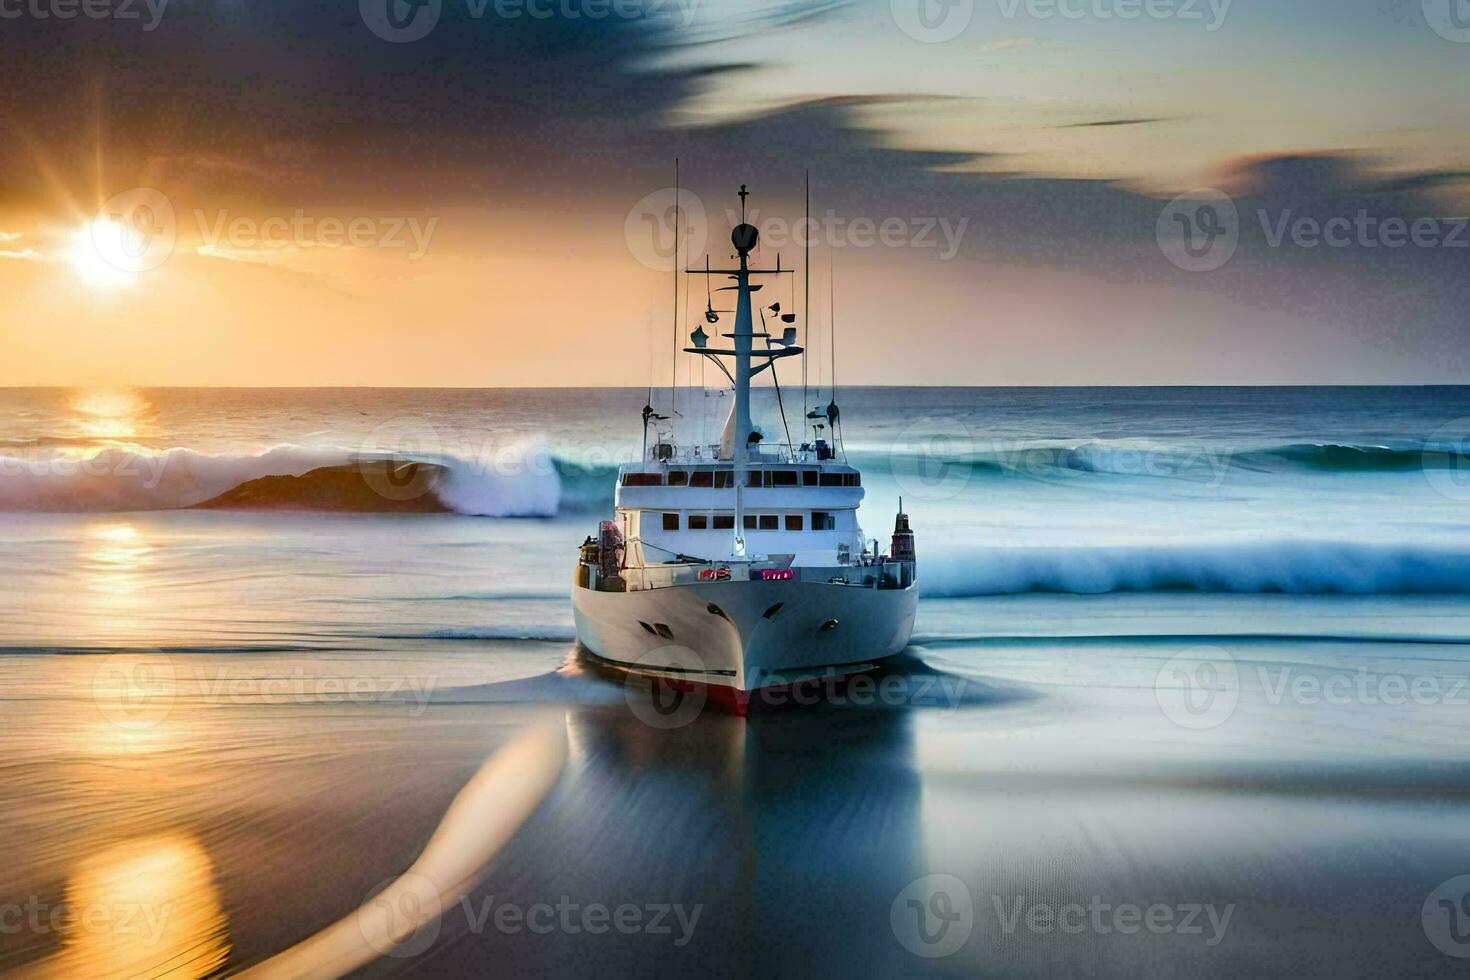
(467, 193)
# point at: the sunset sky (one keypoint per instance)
(307, 202)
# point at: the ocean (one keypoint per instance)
(1189, 691)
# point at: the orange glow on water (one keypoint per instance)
(147, 907)
(108, 415)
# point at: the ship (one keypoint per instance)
(739, 569)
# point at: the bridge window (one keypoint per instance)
(831, 479)
(750, 522)
(793, 522)
(724, 522)
(671, 522)
(678, 478)
(808, 478)
(643, 479)
(782, 478)
(701, 478)
(698, 522)
(724, 479)
(823, 521)
(770, 522)
(852, 480)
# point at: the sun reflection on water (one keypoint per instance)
(109, 416)
(114, 555)
(117, 548)
(144, 908)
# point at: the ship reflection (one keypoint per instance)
(772, 826)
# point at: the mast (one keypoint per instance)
(678, 220)
(744, 238)
(738, 427)
(806, 312)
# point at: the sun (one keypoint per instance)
(99, 255)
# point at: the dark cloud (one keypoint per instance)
(300, 104)
(301, 99)
(1103, 123)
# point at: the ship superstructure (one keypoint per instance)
(740, 565)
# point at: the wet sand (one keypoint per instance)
(1060, 817)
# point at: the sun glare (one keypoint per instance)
(96, 254)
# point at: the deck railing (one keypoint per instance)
(885, 575)
(766, 452)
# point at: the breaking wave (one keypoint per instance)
(292, 478)
(1285, 566)
(1145, 458)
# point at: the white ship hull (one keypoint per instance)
(745, 643)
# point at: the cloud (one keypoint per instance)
(1141, 121)
(298, 104)
(10, 238)
(1007, 44)
(292, 102)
